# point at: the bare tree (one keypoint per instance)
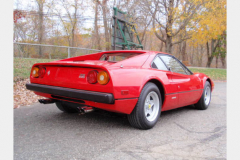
(70, 20)
(40, 4)
(96, 36)
(105, 13)
(171, 16)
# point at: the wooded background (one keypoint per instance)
(192, 30)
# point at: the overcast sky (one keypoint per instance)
(31, 5)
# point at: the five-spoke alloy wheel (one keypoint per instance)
(151, 108)
(205, 99)
(148, 109)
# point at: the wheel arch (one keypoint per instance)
(211, 83)
(160, 86)
(204, 78)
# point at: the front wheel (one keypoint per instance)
(205, 99)
(147, 111)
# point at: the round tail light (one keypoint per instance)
(38, 72)
(42, 71)
(35, 73)
(103, 77)
(92, 77)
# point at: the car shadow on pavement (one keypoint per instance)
(94, 119)
(177, 110)
(100, 118)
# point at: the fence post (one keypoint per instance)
(69, 53)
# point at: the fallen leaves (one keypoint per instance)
(23, 96)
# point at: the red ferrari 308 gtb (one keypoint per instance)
(138, 83)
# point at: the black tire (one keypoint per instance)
(66, 107)
(137, 118)
(201, 104)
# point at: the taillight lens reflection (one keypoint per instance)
(38, 72)
(92, 77)
(42, 71)
(103, 77)
(35, 72)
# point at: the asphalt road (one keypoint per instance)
(44, 132)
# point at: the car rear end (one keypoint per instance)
(87, 83)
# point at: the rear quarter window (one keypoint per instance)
(158, 64)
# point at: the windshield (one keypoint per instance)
(117, 56)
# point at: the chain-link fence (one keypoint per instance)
(29, 50)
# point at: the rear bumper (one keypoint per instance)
(107, 98)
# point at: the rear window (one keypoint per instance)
(116, 57)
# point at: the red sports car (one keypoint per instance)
(138, 83)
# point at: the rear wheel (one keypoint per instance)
(205, 99)
(66, 107)
(147, 111)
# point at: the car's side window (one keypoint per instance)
(158, 64)
(173, 64)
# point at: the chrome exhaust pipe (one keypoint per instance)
(46, 101)
(85, 109)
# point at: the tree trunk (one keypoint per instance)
(107, 39)
(199, 55)
(73, 37)
(72, 34)
(96, 33)
(161, 46)
(169, 27)
(40, 26)
(180, 51)
(168, 44)
(184, 54)
(223, 56)
(209, 61)
(210, 53)
(145, 41)
(192, 55)
(223, 60)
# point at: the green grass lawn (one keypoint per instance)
(214, 74)
(22, 69)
